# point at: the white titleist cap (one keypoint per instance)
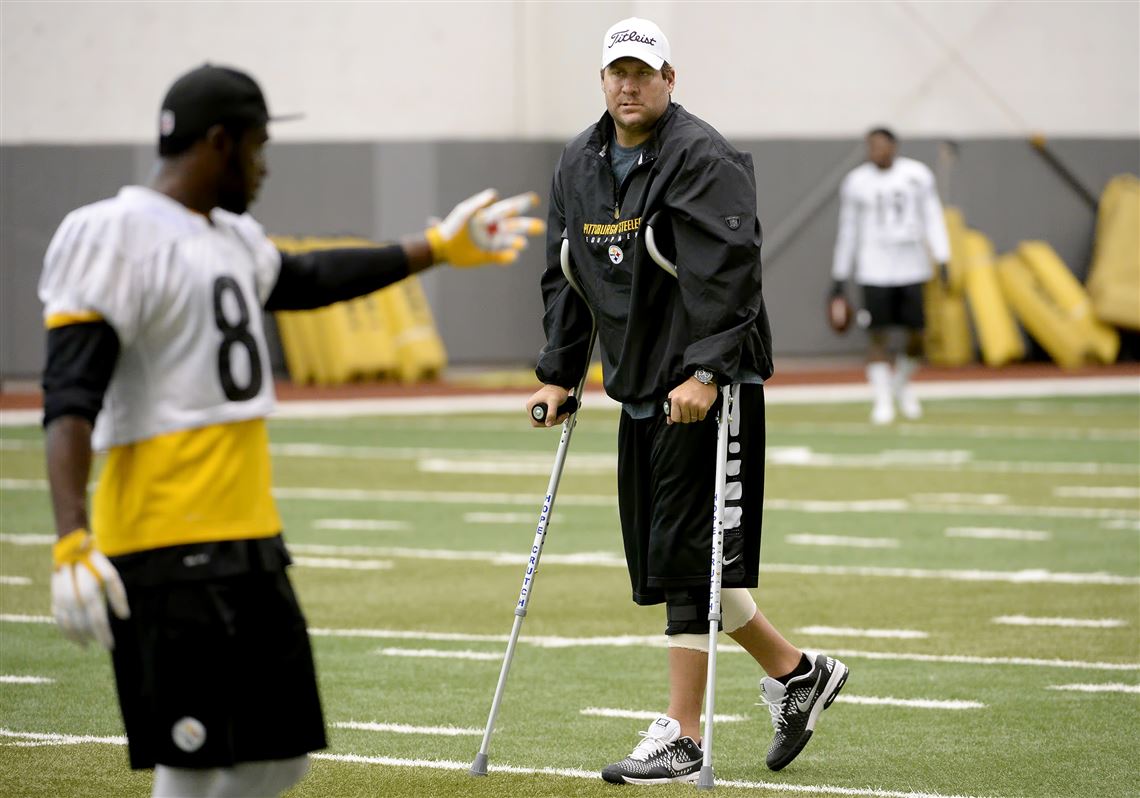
(635, 38)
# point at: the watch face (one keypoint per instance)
(703, 375)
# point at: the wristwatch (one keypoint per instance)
(704, 376)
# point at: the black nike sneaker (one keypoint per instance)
(662, 757)
(796, 707)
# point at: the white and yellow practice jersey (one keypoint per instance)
(890, 225)
(183, 418)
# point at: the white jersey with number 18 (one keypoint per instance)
(890, 225)
(183, 416)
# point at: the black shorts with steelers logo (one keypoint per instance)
(666, 478)
(214, 665)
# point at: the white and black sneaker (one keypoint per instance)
(662, 757)
(796, 707)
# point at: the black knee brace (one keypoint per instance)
(687, 611)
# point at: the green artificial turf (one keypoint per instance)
(1040, 465)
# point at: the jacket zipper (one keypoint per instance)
(618, 190)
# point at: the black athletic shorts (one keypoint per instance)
(666, 476)
(894, 306)
(214, 665)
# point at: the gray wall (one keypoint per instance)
(494, 316)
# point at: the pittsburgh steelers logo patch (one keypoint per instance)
(616, 255)
(188, 734)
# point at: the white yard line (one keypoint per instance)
(847, 631)
(905, 507)
(24, 539)
(814, 506)
(50, 738)
(435, 653)
(593, 775)
(987, 499)
(934, 460)
(603, 559)
(1114, 687)
(842, 540)
(614, 560)
(513, 468)
(407, 634)
(1025, 577)
(504, 518)
(361, 524)
(440, 497)
(527, 462)
(7, 679)
(773, 394)
(996, 533)
(1121, 523)
(901, 506)
(658, 641)
(1096, 492)
(1073, 623)
(8, 618)
(964, 659)
(403, 728)
(957, 431)
(1023, 512)
(23, 484)
(15, 581)
(912, 703)
(606, 559)
(635, 714)
(340, 564)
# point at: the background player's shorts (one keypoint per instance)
(212, 672)
(665, 496)
(894, 306)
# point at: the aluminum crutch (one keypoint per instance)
(728, 397)
(479, 766)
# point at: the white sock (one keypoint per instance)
(259, 779)
(182, 782)
(905, 366)
(879, 375)
(883, 409)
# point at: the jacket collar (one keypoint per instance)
(603, 134)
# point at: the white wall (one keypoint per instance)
(89, 72)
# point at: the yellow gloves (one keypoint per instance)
(477, 231)
(83, 583)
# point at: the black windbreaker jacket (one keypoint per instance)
(654, 330)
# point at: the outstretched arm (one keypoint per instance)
(478, 231)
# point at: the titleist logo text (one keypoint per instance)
(630, 36)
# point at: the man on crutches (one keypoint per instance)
(678, 333)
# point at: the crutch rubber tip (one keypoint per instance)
(479, 767)
(705, 780)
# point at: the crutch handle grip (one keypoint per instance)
(667, 405)
(538, 412)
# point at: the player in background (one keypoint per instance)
(890, 230)
(156, 353)
(676, 337)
